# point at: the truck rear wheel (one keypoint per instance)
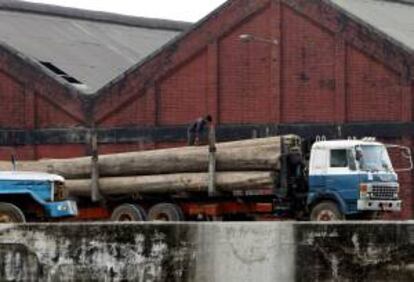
(326, 211)
(128, 212)
(9, 213)
(165, 212)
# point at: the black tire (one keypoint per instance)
(129, 212)
(9, 213)
(165, 212)
(326, 211)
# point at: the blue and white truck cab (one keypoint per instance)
(33, 195)
(351, 177)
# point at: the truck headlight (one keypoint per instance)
(397, 192)
(62, 207)
(364, 190)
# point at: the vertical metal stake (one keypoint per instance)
(212, 161)
(95, 193)
(13, 160)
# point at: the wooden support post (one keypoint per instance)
(212, 161)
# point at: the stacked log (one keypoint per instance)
(173, 183)
(247, 164)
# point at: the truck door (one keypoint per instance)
(317, 170)
(343, 177)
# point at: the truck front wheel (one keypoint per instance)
(9, 213)
(326, 211)
(128, 212)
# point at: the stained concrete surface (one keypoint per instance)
(288, 251)
(380, 251)
(245, 252)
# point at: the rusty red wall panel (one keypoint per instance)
(406, 180)
(374, 92)
(126, 147)
(20, 152)
(183, 93)
(33, 152)
(48, 115)
(60, 151)
(213, 81)
(163, 145)
(138, 111)
(12, 101)
(407, 193)
(412, 99)
(308, 70)
(244, 68)
(340, 79)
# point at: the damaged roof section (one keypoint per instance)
(395, 18)
(82, 48)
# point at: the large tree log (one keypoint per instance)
(172, 183)
(255, 154)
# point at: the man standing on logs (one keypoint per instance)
(197, 129)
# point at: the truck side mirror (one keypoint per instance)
(358, 155)
(405, 153)
(351, 160)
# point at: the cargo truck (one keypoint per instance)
(273, 178)
(352, 177)
(33, 196)
(335, 180)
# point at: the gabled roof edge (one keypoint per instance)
(53, 10)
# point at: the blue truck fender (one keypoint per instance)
(315, 198)
(52, 209)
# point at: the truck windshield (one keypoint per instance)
(374, 158)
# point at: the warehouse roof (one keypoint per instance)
(83, 48)
(395, 18)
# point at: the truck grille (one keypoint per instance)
(381, 192)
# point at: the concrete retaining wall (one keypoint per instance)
(207, 252)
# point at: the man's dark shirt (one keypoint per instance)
(198, 126)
